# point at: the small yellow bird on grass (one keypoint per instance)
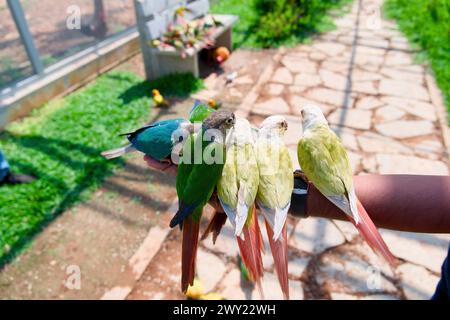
(158, 99)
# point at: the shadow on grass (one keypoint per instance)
(62, 149)
(90, 174)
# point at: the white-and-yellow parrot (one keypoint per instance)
(325, 162)
(276, 182)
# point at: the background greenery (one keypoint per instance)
(426, 23)
(61, 142)
(272, 23)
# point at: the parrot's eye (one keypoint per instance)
(180, 139)
(230, 120)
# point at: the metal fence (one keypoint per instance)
(36, 35)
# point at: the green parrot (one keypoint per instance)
(196, 179)
(276, 182)
(325, 162)
(236, 190)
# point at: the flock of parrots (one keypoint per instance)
(249, 168)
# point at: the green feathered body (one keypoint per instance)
(276, 180)
(325, 162)
(196, 181)
(240, 170)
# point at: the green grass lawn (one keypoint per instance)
(274, 23)
(61, 142)
(426, 23)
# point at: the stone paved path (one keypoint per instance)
(390, 116)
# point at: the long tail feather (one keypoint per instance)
(189, 252)
(115, 153)
(251, 251)
(370, 233)
(215, 226)
(279, 250)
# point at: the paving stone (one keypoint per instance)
(371, 50)
(402, 75)
(379, 43)
(235, 93)
(297, 89)
(398, 58)
(369, 164)
(354, 269)
(314, 235)
(297, 266)
(368, 102)
(327, 96)
(427, 250)
(405, 128)
(418, 108)
(347, 228)
(232, 288)
(417, 282)
(225, 243)
(362, 75)
(336, 66)
(282, 75)
(429, 147)
(272, 106)
(274, 89)
(403, 89)
(393, 164)
(317, 56)
(296, 65)
(347, 136)
(294, 131)
(372, 142)
(415, 68)
(297, 103)
(307, 80)
(206, 262)
(333, 80)
(367, 87)
(330, 48)
(363, 60)
(235, 288)
(353, 118)
(388, 113)
(355, 161)
(245, 79)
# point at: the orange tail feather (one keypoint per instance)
(370, 233)
(279, 250)
(189, 252)
(215, 225)
(251, 249)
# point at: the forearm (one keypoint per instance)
(401, 202)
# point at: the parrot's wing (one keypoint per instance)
(227, 187)
(132, 135)
(275, 188)
(325, 162)
(199, 186)
(242, 208)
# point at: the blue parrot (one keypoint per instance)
(158, 139)
(155, 140)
